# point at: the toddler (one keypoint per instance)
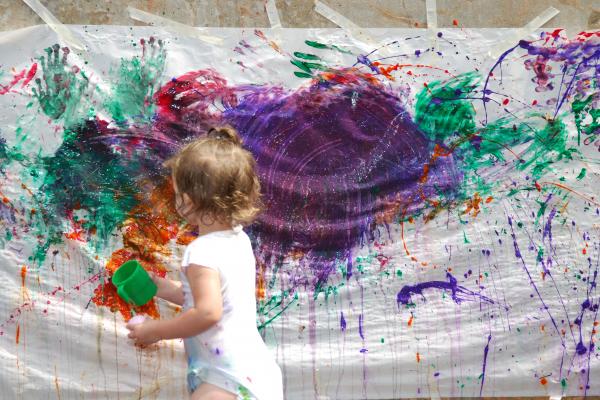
(217, 190)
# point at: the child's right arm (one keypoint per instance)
(168, 289)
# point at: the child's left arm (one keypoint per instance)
(205, 284)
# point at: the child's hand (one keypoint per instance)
(144, 334)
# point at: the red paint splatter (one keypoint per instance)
(505, 101)
(455, 22)
(28, 75)
(543, 381)
(18, 334)
(538, 187)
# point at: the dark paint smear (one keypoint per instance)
(328, 156)
(459, 293)
(326, 164)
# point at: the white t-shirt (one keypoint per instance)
(232, 348)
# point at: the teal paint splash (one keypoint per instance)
(61, 89)
(443, 109)
(137, 80)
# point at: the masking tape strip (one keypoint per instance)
(272, 14)
(431, 8)
(523, 32)
(350, 27)
(62, 31)
(171, 25)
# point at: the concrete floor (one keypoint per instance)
(575, 15)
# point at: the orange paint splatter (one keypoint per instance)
(410, 321)
(418, 357)
(260, 281)
(473, 205)
(146, 234)
(23, 275)
(106, 295)
(18, 334)
(543, 381)
(455, 22)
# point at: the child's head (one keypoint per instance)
(215, 179)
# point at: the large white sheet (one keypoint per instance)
(477, 278)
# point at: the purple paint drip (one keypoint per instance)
(485, 354)
(360, 327)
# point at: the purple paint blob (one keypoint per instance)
(330, 157)
(459, 293)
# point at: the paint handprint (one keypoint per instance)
(60, 90)
(137, 79)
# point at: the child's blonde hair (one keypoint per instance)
(219, 176)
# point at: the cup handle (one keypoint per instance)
(122, 294)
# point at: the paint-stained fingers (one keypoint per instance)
(54, 52)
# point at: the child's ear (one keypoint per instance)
(187, 199)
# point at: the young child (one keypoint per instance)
(216, 189)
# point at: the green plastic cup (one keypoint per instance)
(133, 283)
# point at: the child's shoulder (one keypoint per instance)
(218, 239)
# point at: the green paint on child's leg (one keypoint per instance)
(245, 393)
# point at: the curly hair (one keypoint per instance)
(219, 176)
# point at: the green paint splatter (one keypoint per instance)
(267, 308)
(61, 89)
(306, 56)
(318, 45)
(466, 240)
(245, 393)
(87, 178)
(137, 80)
(442, 109)
(582, 174)
(584, 110)
(302, 74)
